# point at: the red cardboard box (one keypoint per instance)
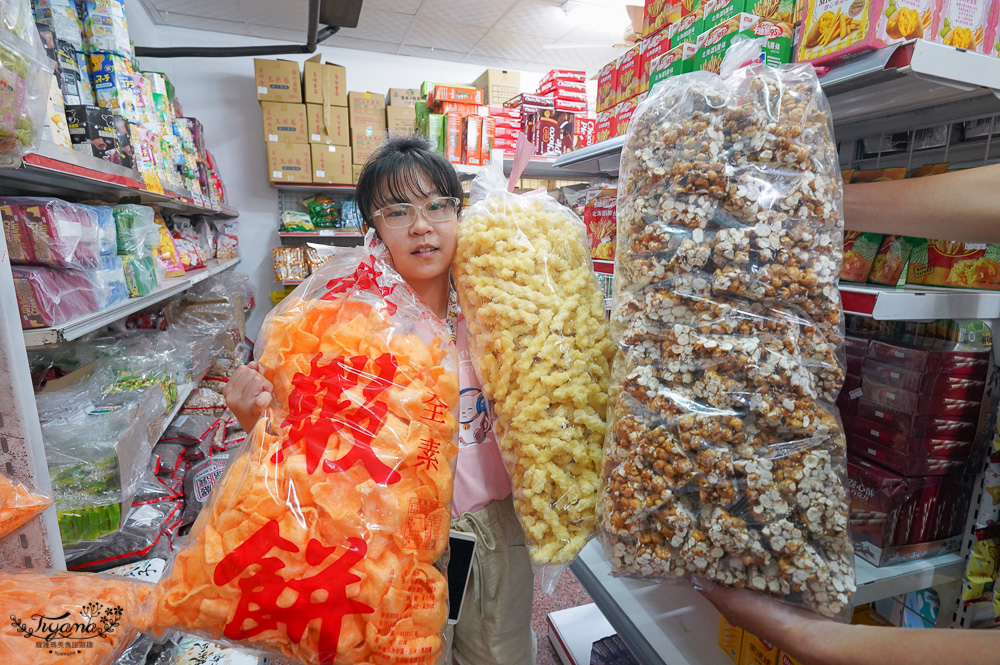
(586, 128)
(526, 101)
(554, 133)
(933, 356)
(450, 93)
(946, 385)
(655, 16)
(453, 138)
(917, 426)
(570, 106)
(900, 462)
(573, 75)
(607, 86)
(488, 138)
(629, 73)
(954, 448)
(604, 127)
(505, 112)
(623, 115)
(558, 88)
(920, 403)
(652, 48)
(460, 108)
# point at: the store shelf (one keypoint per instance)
(292, 282)
(321, 233)
(906, 86)
(919, 303)
(878, 583)
(82, 325)
(663, 623)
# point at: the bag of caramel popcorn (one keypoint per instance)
(542, 348)
(725, 456)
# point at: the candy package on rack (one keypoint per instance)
(724, 459)
(105, 611)
(51, 232)
(25, 78)
(186, 241)
(166, 253)
(18, 504)
(541, 345)
(227, 239)
(323, 540)
(49, 297)
(138, 232)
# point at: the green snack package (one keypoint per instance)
(140, 275)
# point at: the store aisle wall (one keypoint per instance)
(220, 93)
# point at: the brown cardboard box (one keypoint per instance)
(277, 81)
(324, 83)
(356, 173)
(284, 122)
(331, 164)
(499, 85)
(404, 96)
(327, 125)
(365, 141)
(366, 109)
(289, 162)
(400, 119)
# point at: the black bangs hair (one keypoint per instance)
(391, 175)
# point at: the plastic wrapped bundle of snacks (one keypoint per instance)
(541, 344)
(18, 504)
(320, 543)
(25, 76)
(105, 611)
(725, 457)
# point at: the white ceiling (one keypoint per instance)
(531, 35)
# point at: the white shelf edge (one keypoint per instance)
(80, 326)
(878, 583)
(915, 303)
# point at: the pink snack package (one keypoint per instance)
(48, 297)
(834, 30)
(964, 24)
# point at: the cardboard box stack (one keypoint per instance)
(457, 122)
(498, 85)
(366, 111)
(911, 411)
(306, 121)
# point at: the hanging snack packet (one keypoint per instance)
(725, 457)
(541, 344)
(104, 612)
(18, 504)
(322, 540)
(324, 212)
(981, 569)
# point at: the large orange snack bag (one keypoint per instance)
(53, 618)
(321, 541)
(18, 504)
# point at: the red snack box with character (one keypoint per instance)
(554, 133)
(585, 131)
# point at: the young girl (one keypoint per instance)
(412, 198)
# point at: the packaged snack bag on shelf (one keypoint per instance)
(340, 501)
(981, 568)
(25, 77)
(227, 239)
(289, 264)
(105, 27)
(49, 297)
(541, 344)
(186, 242)
(110, 284)
(206, 237)
(891, 261)
(724, 459)
(137, 230)
(107, 232)
(51, 232)
(955, 264)
(141, 276)
(18, 504)
(106, 613)
(860, 250)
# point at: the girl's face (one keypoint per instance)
(424, 250)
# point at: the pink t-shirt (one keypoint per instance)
(479, 475)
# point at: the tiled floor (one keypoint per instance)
(568, 593)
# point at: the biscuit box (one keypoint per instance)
(860, 249)
(834, 30)
(629, 73)
(652, 49)
(757, 652)
(963, 24)
(721, 11)
(714, 44)
(607, 86)
(655, 16)
(687, 29)
(956, 264)
(604, 128)
(679, 60)
(730, 640)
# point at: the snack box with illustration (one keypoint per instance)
(964, 24)
(896, 518)
(932, 356)
(657, 15)
(834, 30)
(584, 134)
(860, 250)
(860, 442)
(713, 44)
(730, 640)
(757, 651)
(604, 128)
(914, 446)
(652, 49)
(629, 73)
(688, 27)
(678, 60)
(600, 216)
(720, 11)
(623, 115)
(890, 396)
(607, 86)
(554, 133)
(891, 261)
(954, 264)
(450, 93)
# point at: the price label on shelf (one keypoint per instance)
(152, 183)
(326, 232)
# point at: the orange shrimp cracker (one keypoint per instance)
(57, 617)
(320, 542)
(18, 504)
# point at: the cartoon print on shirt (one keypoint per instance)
(474, 417)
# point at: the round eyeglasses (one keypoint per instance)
(403, 215)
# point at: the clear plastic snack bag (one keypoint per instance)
(541, 346)
(103, 612)
(323, 540)
(725, 456)
(25, 78)
(19, 503)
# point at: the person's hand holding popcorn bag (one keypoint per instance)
(325, 539)
(542, 347)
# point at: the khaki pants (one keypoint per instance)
(494, 627)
